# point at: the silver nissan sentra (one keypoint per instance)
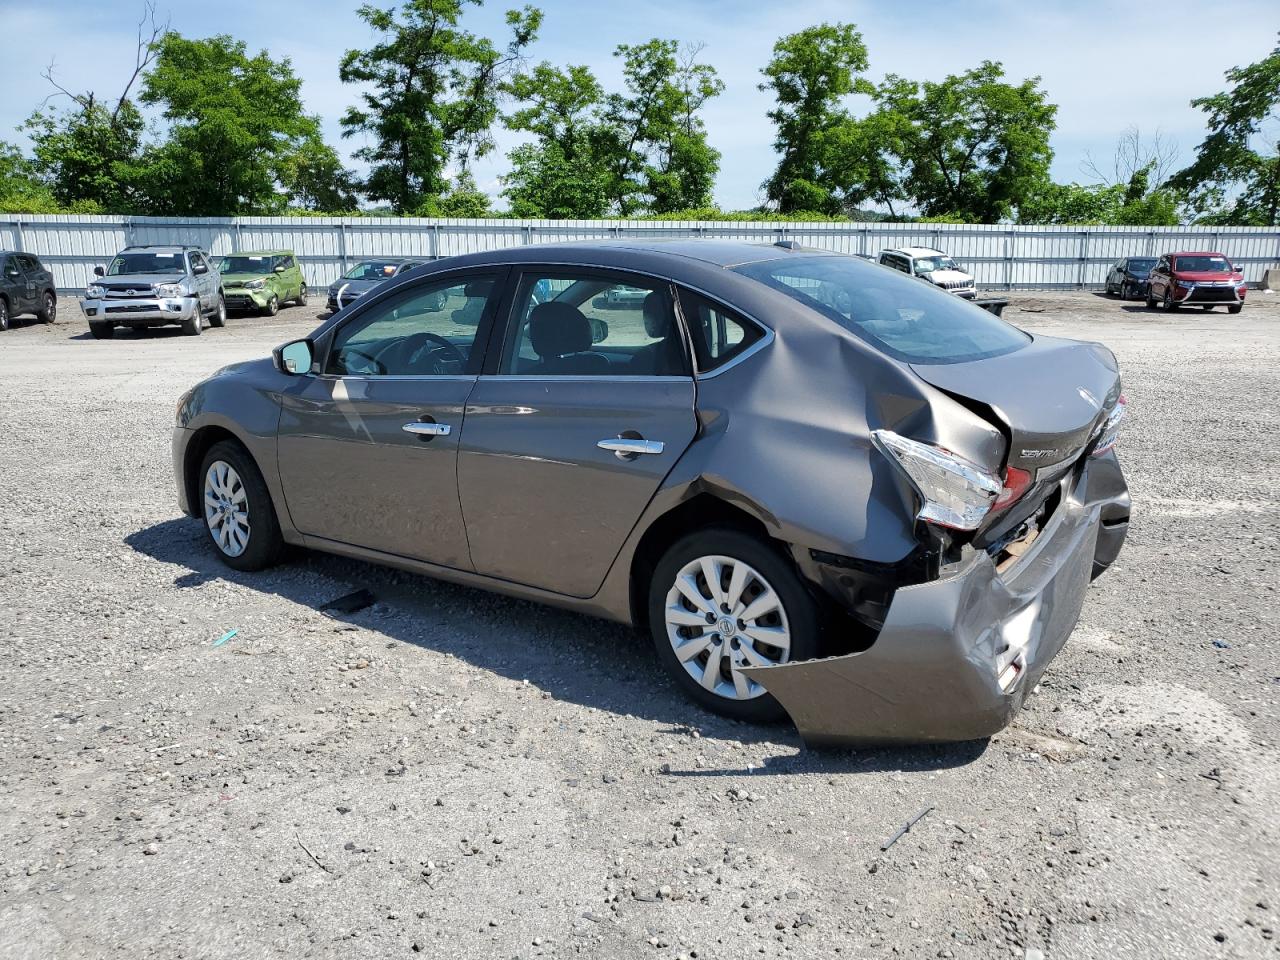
(823, 487)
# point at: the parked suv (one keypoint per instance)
(1128, 277)
(155, 286)
(932, 265)
(25, 287)
(262, 280)
(1199, 279)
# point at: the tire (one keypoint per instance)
(763, 569)
(1151, 301)
(251, 543)
(272, 307)
(102, 331)
(302, 296)
(48, 311)
(193, 325)
(219, 317)
(4, 314)
(1235, 308)
(1207, 306)
(1167, 304)
(1126, 292)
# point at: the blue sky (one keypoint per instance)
(1108, 66)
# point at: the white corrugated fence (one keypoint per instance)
(1000, 256)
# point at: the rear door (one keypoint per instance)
(588, 404)
(368, 446)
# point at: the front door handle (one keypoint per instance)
(427, 428)
(626, 448)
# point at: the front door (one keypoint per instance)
(368, 448)
(591, 404)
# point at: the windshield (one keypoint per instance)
(248, 264)
(903, 317)
(1141, 267)
(372, 270)
(930, 264)
(1202, 264)
(148, 262)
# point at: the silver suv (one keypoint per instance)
(155, 286)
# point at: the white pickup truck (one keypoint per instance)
(932, 265)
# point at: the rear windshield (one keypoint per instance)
(909, 319)
(1202, 264)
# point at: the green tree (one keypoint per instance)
(21, 189)
(809, 74)
(314, 179)
(971, 145)
(463, 199)
(433, 97)
(236, 124)
(1235, 177)
(684, 174)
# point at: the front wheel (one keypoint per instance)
(193, 326)
(102, 331)
(1168, 302)
(272, 307)
(1126, 292)
(721, 600)
(1235, 308)
(48, 311)
(237, 509)
(4, 314)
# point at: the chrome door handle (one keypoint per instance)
(427, 428)
(625, 448)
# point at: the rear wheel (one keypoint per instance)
(4, 314)
(719, 600)
(48, 311)
(237, 510)
(102, 331)
(302, 296)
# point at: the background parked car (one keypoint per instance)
(1128, 277)
(364, 276)
(262, 280)
(25, 287)
(155, 286)
(1196, 278)
(932, 265)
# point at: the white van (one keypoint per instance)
(932, 265)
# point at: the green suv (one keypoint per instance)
(262, 280)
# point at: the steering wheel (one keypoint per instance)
(414, 349)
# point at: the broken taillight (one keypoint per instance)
(1110, 431)
(954, 492)
(1016, 483)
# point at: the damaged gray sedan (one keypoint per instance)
(823, 488)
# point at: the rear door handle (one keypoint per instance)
(427, 429)
(626, 448)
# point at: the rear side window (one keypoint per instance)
(907, 318)
(718, 335)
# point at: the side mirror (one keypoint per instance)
(293, 358)
(280, 268)
(99, 271)
(199, 268)
(599, 330)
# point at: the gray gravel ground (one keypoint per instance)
(455, 774)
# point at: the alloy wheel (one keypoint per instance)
(226, 508)
(4, 315)
(722, 615)
(50, 312)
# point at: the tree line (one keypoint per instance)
(231, 136)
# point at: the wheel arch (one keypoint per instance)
(202, 440)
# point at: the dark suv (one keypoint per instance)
(25, 287)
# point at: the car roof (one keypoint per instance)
(163, 247)
(915, 251)
(259, 253)
(1196, 253)
(623, 253)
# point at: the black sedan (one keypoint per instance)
(1128, 277)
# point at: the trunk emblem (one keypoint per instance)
(1039, 454)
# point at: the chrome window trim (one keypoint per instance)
(582, 378)
(376, 378)
(744, 355)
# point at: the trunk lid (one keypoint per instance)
(1049, 396)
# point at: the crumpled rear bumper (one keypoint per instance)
(931, 675)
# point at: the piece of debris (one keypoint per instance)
(905, 828)
(348, 603)
(313, 857)
(1222, 645)
(224, 638)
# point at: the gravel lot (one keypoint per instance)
(460, 775)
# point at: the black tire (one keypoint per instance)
(219, 316)
(1235, 308)
(102, 331)
(272, 307)
(4, 314)
(265, 545)
(1151, 301)
(193, 326)
(1168, 304)
(1126, 291)
(48, 311)
(800, 608)
(302, 296)
(1207, 306)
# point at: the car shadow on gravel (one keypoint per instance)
(572, 657)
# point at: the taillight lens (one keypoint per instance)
(1110, 432)
(1016, 483)
(954, 492)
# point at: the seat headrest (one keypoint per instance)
(477, 288)
(657, 319)
(556, 329)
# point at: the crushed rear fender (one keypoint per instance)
(931, 675)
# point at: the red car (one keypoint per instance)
(1198, 279)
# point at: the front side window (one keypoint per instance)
(908, 320)
(579, 324)
(372, 270)
(428, 330)
(197, 262)
(167, 262)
